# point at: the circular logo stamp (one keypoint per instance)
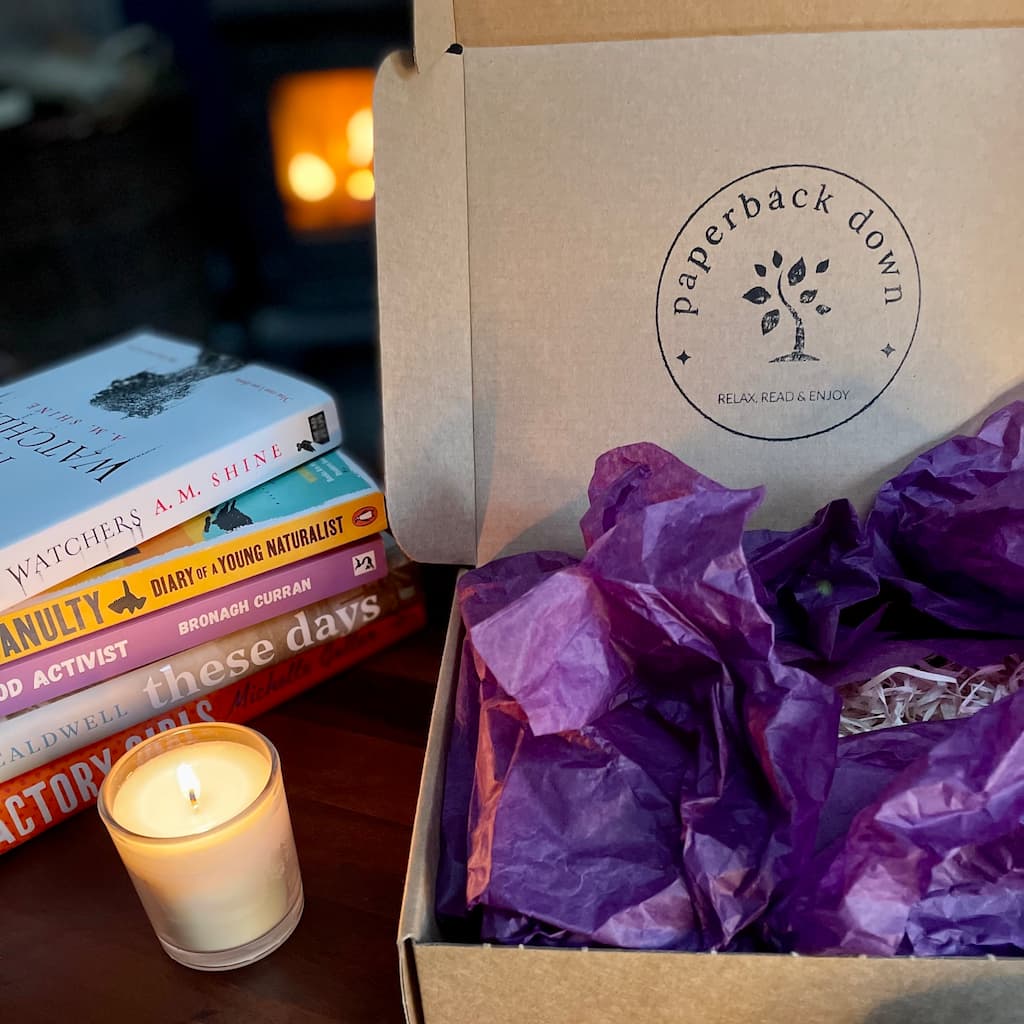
(788, 302)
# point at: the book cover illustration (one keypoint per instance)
(127, 440)
(316, 507)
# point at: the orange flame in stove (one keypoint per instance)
(321, 128)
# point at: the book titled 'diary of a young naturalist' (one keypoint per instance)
(102, 452)
(319, 506)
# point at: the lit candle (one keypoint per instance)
(199, 817)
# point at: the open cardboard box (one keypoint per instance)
(590, 218)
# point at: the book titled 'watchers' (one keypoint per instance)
(100, 453)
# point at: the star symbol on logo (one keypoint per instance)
(683, 356)
(888, 350)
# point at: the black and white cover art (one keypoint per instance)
(146, 393)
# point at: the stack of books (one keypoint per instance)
(185, 541)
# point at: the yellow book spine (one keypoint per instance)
(150, 586)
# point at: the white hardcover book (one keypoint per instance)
(109, 449)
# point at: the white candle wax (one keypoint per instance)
(190, 790)
(201, 822)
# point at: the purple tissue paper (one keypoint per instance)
(819, 584)
(928, 857)
(646, 770)
(645, 749)
(949, 529)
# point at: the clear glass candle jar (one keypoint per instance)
(199, 817)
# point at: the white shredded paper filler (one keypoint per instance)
(905, 694)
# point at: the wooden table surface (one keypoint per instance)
(76, 946)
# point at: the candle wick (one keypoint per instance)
(192, 797)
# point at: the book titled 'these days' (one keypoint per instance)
(104, 451)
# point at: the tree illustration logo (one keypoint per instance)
(795, 276)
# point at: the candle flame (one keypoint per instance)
(188, 782)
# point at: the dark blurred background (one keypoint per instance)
(201, 167)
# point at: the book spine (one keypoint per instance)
(228, 559)
(37, 800)
(60, 552)
(51, 730)
(91, 659)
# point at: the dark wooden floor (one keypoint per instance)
(75, 944)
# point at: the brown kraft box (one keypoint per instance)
(572, 201)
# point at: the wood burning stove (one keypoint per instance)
(294, 136)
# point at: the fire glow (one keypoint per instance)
(321, 127)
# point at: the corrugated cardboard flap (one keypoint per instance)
(417, 922)
(426, 368)
(509, 985)
(528, 195)
(439, 23)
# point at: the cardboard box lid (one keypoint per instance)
(440, 23)
(542, 212)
